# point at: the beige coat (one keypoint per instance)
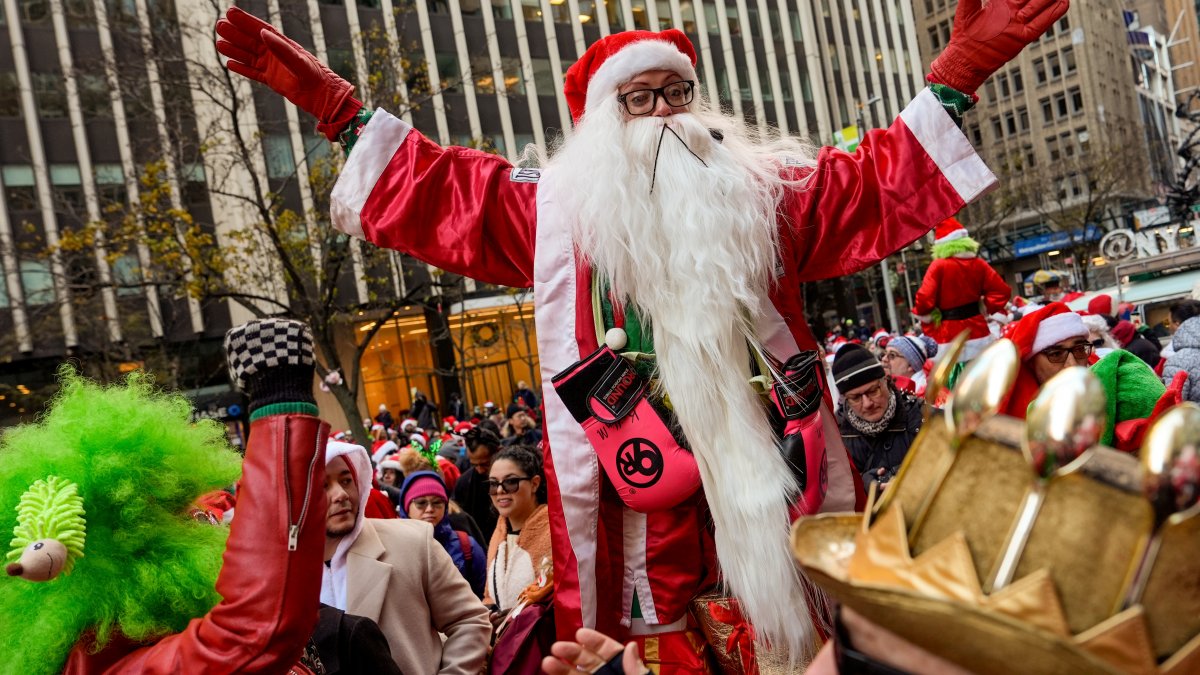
(398, 575)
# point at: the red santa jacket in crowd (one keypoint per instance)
(474, 214)
(955, 282)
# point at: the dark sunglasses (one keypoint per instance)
(508, 485)
(1059, 354)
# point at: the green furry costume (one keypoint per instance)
(147, 568)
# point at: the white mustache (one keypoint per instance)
(667, 126)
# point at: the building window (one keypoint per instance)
(1018, 82)
(1052, 148)
(1039, 71)
(34, 11)
(1002, 85)
(51, 95)
(127, 275)
(1068, 56)
(710, 17)
(1047, 110)
(543, 77)
(79, 13)
(997, 129)
(19, 189)
(731, 14)
(37, 282)
(641, 20)
(93, 96)
(1010, 123)
(10, 99)
(448, 70)
(1023, 118)
(687, 13)
(341, 61)
(1084, 138)
(281, 163)
(1076, 100)
(1060, 104)
(1053, 65)
(764, 83)
(934, 39)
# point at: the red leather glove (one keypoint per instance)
(257, 51)
(984, 38)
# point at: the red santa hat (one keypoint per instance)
(616, 59)
(1101, 304)
(948, 230)
(1044, 328)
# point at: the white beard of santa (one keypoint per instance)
(696, 255)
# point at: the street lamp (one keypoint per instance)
(883, 264)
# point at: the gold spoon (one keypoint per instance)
(1064, 422)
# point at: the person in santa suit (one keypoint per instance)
(959, 291)
(677, 235)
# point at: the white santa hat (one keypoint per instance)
(617, 58)
(948, 230)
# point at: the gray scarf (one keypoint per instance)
(873, 428)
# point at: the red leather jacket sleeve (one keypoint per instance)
(465, 211)
(270, 594)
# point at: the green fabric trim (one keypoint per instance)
(350, 136)
(640, 337)
(636, 611)
(954, 101)
(951, 248)
(1131, 387)
(289, 408)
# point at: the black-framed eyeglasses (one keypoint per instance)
(1058, 355)
(643, 101)
(508, 485)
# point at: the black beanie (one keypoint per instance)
(854, 366)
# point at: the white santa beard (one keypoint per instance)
(696, 257)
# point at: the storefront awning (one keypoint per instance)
(1151, 290)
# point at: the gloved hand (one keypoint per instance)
(257, 51)
(272, 361)
(985, 37)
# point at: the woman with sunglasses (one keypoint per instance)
(517, 485)
(424, 497)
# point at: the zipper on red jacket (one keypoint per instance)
(294, 530)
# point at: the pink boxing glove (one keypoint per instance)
(797, 396)
(635, 438)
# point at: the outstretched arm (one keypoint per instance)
(459, 209)
(265, 618)
(858, 208)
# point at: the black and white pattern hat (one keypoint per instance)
(266, 343)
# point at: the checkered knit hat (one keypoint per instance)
(266, 343)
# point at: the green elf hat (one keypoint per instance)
(1131, 386)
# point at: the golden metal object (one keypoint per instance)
(1170, 463)
(977, 396)
(1065, 420)
(940, 377)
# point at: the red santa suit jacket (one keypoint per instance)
(475, 214)
(954, 282)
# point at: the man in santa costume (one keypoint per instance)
(959, 291)
(677, 236)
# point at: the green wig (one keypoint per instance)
(954, 247)
(146, 568)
